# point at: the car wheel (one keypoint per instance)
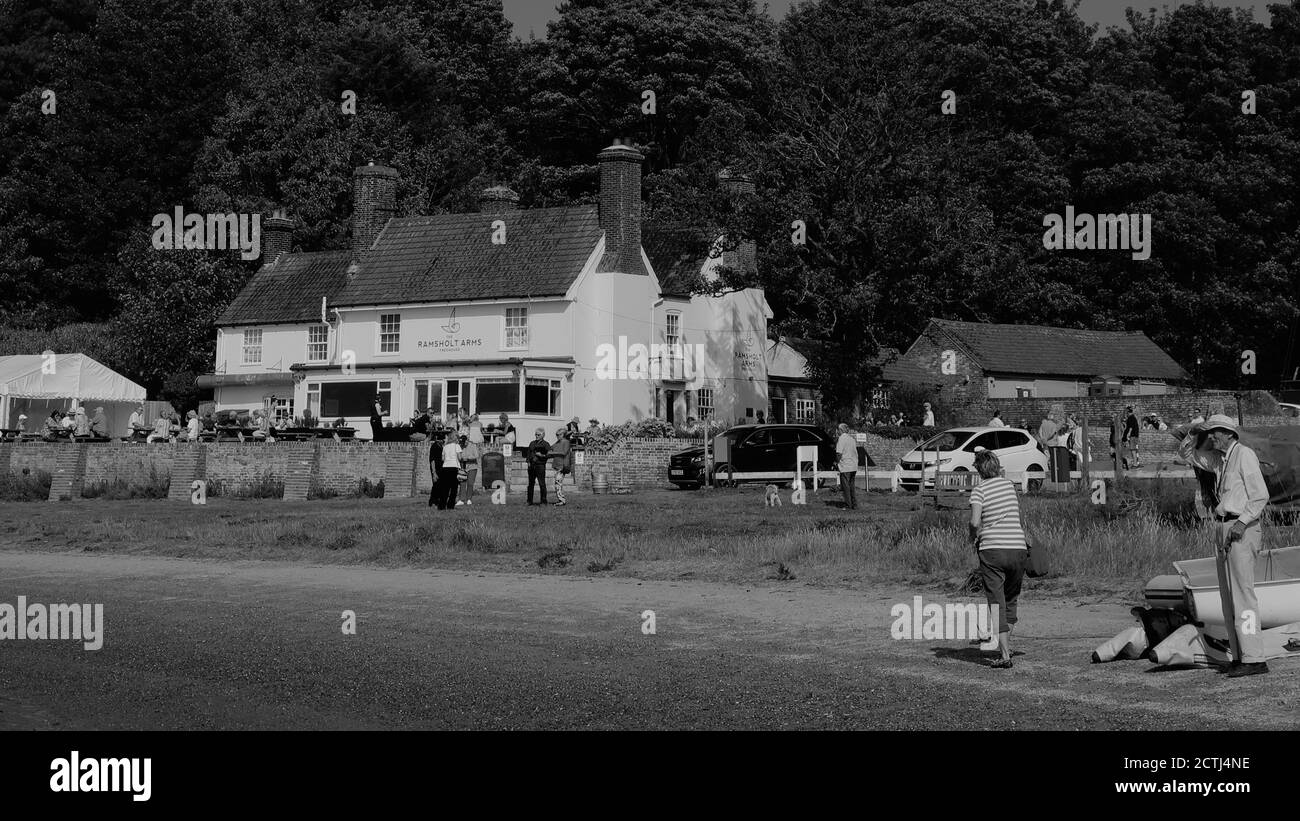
(720, 476)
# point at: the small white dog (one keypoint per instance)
(773, 498)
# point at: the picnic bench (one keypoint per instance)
(952, 488)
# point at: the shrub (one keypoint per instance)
(25, 487)
(263, 487)
(319, 490)
(155, 487)
(605, 437)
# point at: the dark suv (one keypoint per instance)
(756, 449)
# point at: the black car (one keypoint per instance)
(756, 449)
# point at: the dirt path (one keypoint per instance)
(214, 644)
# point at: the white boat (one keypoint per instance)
(1277, 588)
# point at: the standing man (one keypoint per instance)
(1242, 495)
(562, 454)
(927, 416)
(376, 418)
(1129, 439)
(435, 462)
(99, 424)
(1047, 431)
(538, 452)
(996, 421)
(846, 448)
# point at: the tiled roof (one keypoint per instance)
(677, 254)
(451, 257)
(290, 290)
(1037, 349)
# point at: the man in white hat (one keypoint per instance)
(1241, 497)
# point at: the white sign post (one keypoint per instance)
(805, 453)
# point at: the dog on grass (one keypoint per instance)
(773, 498)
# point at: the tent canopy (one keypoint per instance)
(70, 376)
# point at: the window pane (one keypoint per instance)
(537, 398)
(498, 395)
(351, 398)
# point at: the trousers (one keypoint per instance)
(1236, 565)
(848, 486)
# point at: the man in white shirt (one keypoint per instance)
(927, 419)
(996, 421)
(847, 451)
(137, 421)
(1242, 495)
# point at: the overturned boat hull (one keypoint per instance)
(1277, 588)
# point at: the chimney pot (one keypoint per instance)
(620, 208)
(277, 236)
(374, 202)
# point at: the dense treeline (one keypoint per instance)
(836, 112)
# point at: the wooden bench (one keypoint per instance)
(952, 488)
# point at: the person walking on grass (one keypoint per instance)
(1241, 495)
(999, 536)
(538, 452)
(562, 456)
(470, 461)
(435, 465)
(449, 473)
(846, 448)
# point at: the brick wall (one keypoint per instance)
(966, 387)
(1173, 408)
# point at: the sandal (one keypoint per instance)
(1001, 664)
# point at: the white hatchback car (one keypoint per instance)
(954, 450)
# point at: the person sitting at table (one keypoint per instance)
(99, 423)
(69, 420)
(81, 423)
(162, 430)
(22, 424)
(192, 426)
(53, 425)
(262, 425)
(136, 421)
(507, 429)
(420, 425)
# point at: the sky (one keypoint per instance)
(533, 14)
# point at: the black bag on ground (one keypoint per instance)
(1038, 562)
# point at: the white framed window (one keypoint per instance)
(390, 333)
(704, 403)
(542, 396)
(497, 394)
(673, 329)
(516, 329)
(805, 410)
(281, 408)
(318, 343)
(313, 399)
(252, 346)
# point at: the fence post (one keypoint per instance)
(1084, 456)
(1118, 435)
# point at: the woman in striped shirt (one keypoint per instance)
(1000, 542)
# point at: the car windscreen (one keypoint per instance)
(948, 440)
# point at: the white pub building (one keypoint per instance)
(543, 314)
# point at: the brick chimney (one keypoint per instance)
(277, 236)
(374, 201)
(739, 188)
(620, 208)
(496, 199)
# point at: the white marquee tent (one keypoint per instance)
(37, 384)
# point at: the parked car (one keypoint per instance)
(1017, 450)
(755, 449)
